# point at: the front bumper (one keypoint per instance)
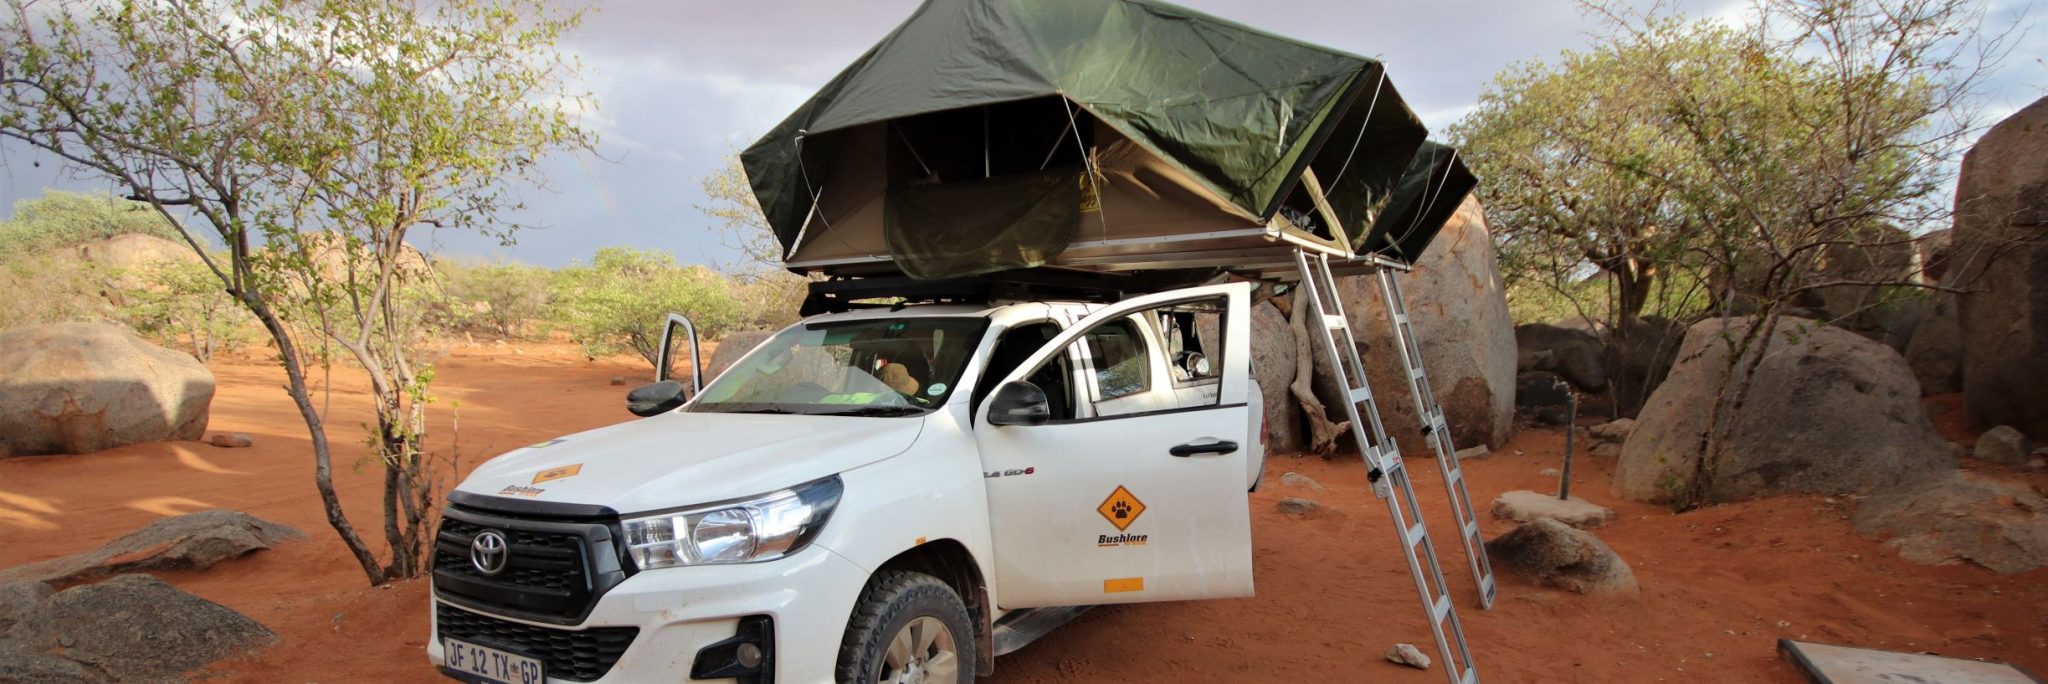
(679, 611)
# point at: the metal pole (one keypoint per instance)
(1571, 428)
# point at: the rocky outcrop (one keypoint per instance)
(76, 388)
(132, 628)
(1554, 554)
(1574, 354)
(2000, 255)
(134, 251)
(731, 348)
(1828, 411)
(1961, 518)
(1467, 341)
(193, 541)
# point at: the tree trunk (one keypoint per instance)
(323, 465)
(1323, 433)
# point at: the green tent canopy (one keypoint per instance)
(1109, 135)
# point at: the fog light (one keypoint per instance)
(747, 656)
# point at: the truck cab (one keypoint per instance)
(893, 494)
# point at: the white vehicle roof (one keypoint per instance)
(1000, 313)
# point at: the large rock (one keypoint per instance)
(2003, 445)
(193, 541)
(129, 628)
(1460, 310)
(1576, 355)
(1958, 517)
(1273, 359)
(1829, 411)
(1936, 350)
(1554, 554)
(76, 388)
(731, 348)
(2000, 254)
(1648, 347)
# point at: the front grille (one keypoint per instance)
(554, 572)
(576, 655)
(538, 560)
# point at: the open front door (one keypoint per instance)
(1133, 487)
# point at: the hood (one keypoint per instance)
(684, 459)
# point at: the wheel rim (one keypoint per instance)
(921, 652)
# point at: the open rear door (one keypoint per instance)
(1097, 505)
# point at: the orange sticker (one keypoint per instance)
(1123, 584)
(557, 473)
(1121, 508)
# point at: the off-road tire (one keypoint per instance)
(890, 601)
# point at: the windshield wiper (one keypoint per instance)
(756, 410)
(877, 411)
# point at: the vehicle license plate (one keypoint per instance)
(490, 664)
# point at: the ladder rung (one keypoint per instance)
(1334, 321)
(1361, 394)
(1441, 608)
(1457, 474)
(1417, 373)
(1471, 676)
(1472, 528)
(1415, 533)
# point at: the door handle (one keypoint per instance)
(1221, 446)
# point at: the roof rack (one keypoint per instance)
(1042, 283)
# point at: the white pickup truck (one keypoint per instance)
(880, 495)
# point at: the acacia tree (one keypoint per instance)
(1842, 125)
(259, 120)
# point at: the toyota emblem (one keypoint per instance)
(488, 552)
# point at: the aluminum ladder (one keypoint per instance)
(1437, 431)
(1384, 467)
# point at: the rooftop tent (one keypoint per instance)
(1422, 202)
(1112, 135)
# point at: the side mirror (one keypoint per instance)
(656, 398)
(1018, 403)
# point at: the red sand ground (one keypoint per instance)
(1720, 585)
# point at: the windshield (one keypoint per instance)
(882, 367)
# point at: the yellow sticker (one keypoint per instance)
(557, 473)
(1121, 508)
(1123, 584)
(1089, 200)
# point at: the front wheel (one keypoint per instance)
(908, 628)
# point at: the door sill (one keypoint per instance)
(1021, 627)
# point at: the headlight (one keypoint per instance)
(764, 528)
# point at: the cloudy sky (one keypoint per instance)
(682, 83)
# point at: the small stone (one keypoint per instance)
(1408, 654)
(1294, 479)
(2003, 445)
(1523, 506)
(618, 380)
(1298, 506)
(232, 440)
(1613, 431)
(1474, 452)
(1550, 472)
(2037, 463)
(1607, 450)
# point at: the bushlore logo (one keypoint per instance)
(488, 552)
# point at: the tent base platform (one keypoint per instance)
(1827, 664)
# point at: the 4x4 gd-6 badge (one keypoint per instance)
(1121, 508)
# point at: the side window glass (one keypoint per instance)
(1117, 353)
(1193, 345)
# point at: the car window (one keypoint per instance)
(1193, 349)
(1117, 353)
(869, 367)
